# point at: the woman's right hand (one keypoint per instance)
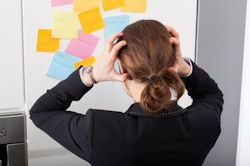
(181, 66)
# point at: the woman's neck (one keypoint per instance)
(136, 91)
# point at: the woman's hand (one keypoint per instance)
(181, 66)
(103, 68)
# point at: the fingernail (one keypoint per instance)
(116, 40)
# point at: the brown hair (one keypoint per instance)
(147, 58)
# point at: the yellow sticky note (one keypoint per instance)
(134, 6)
(112, 4)
(85, 62)
(91, 20)
(65, 25)
(85, 5)
(45, 43)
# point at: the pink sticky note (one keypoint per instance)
(61, 2)
(82, 47)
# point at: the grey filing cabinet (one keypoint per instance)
(13, 143)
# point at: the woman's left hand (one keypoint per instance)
(103, 68)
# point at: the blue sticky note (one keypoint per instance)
(62, 65)
(117, 68)
(114, 24)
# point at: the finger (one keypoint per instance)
(110, 41)
(120, 77)
(117, 47)
(172, 31)
(174, 41)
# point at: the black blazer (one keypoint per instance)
(177, 136)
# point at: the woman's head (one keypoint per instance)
(147, 59)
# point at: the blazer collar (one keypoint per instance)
(173, 110)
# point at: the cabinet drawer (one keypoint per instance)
(12, 128)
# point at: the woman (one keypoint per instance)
(154, 130)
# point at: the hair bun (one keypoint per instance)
(157, 94)
(153, 77)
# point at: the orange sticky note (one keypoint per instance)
(85, 62)
(112, 4)
(91, 20)
(85, 5)
(134, 6)
(45, 42)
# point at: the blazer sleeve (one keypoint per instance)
(70, 129)
(203, 90)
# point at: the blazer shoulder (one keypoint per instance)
(106, 119)
(205, 118)
(103, 113)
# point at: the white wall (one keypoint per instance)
(11, 57)
(243, 150)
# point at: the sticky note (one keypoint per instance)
(91, 20)
(85, 62)
(45, 42)
(65, 25)
(85, 5)
(115, 24)
(60, 2)
(112, 4)
(84, 46)
(62, 65)
(134, 6)
(117, 67)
